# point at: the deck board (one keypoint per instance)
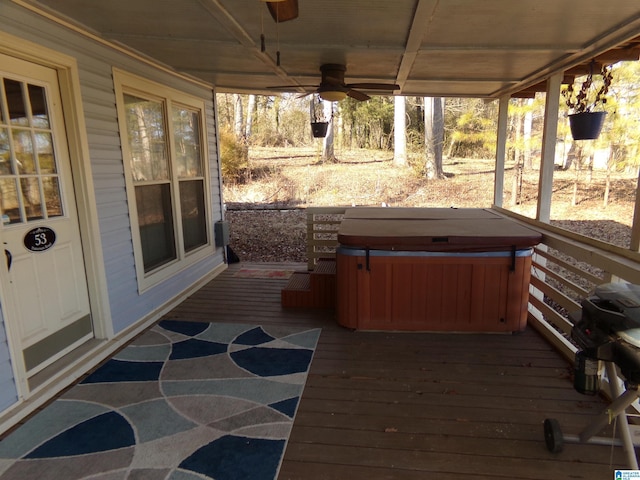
(385, 405)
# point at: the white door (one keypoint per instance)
(43, 277)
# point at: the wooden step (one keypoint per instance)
(325, 266)
(299, 281)
(297, 293)
(323, 284)
(316, 289)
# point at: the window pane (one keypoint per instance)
(31, 198)
(15, 102)
(23, 145)
(5, 153)
(147, 140)
(194, 225)
(156, 225)
(9, 201)
(186, 126)
(52, 196)
(44, 145)
(38, 106)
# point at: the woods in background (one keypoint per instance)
(421, 132)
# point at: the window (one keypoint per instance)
(29, 179)
(167, 189)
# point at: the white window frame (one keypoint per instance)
(126, 83)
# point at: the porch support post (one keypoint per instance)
(501, 151)
(549, 136)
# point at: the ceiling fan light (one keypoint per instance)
(332, 95)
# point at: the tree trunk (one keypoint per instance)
(433, 136)
(516, 192)
(607, 188)
(576, 180)
(251, 108)
(517, 120)
(276, 112)
(328, 153)
(237, 116)
(399, 132)
(526, 135)
(571, 157)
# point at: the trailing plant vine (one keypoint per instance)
(589, 96)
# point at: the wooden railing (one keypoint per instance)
(322, 233)
(566, 267)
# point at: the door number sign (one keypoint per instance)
(39, 239)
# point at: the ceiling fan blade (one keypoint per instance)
(358, 95)
(374, 86)
(283, 11)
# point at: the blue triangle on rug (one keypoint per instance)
(123, 371)
(237, 458)
(193, 348)
(108, 431)
(288, 406)
(255, 336)
(271, 362)
(190, 329)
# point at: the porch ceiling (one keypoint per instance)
(478, 48)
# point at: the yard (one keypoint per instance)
(268, 223)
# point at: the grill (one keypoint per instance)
(607, 331)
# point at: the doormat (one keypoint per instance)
(184, 401)
(263, 273)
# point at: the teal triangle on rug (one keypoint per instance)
(184, 400)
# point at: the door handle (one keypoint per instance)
(7, 254)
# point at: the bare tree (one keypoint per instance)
(433, 136)
(238, 119)
(399, 132)
(328, 151)
(251, 108)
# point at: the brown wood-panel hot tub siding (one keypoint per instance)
(478, 294)
(464, 270)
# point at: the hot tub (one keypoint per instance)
(435, 269)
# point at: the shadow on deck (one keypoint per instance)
(417, 405)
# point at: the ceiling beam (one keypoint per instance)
(222, 16)
(625, 53)
(624, 33)
(422, 18)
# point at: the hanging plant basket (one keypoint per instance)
(319, 129)
(586, 125)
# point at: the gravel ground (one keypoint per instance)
(280, 235)
(268, 235)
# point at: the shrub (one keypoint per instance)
(234, 155)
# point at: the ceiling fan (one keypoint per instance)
(333, 87)
(282, 10)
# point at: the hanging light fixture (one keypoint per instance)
(282, 10)
(332, 94)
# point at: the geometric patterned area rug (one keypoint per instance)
(184, 401)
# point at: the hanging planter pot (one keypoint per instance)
(586, 125)
(319, 129)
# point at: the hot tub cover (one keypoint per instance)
(433, 229)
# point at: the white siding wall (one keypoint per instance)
(95, 62)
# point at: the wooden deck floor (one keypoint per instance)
(417, 406)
